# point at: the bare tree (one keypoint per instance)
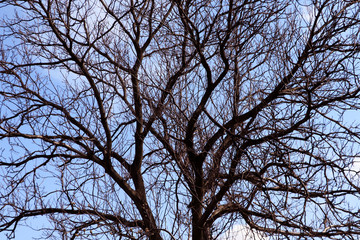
(179, 119)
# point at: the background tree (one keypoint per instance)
(178, 119)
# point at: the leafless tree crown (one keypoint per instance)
(179, 119)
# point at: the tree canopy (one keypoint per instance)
(180, 119)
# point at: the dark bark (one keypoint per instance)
(180, 119)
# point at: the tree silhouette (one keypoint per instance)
(180, 119)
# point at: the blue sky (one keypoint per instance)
(24, 233)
